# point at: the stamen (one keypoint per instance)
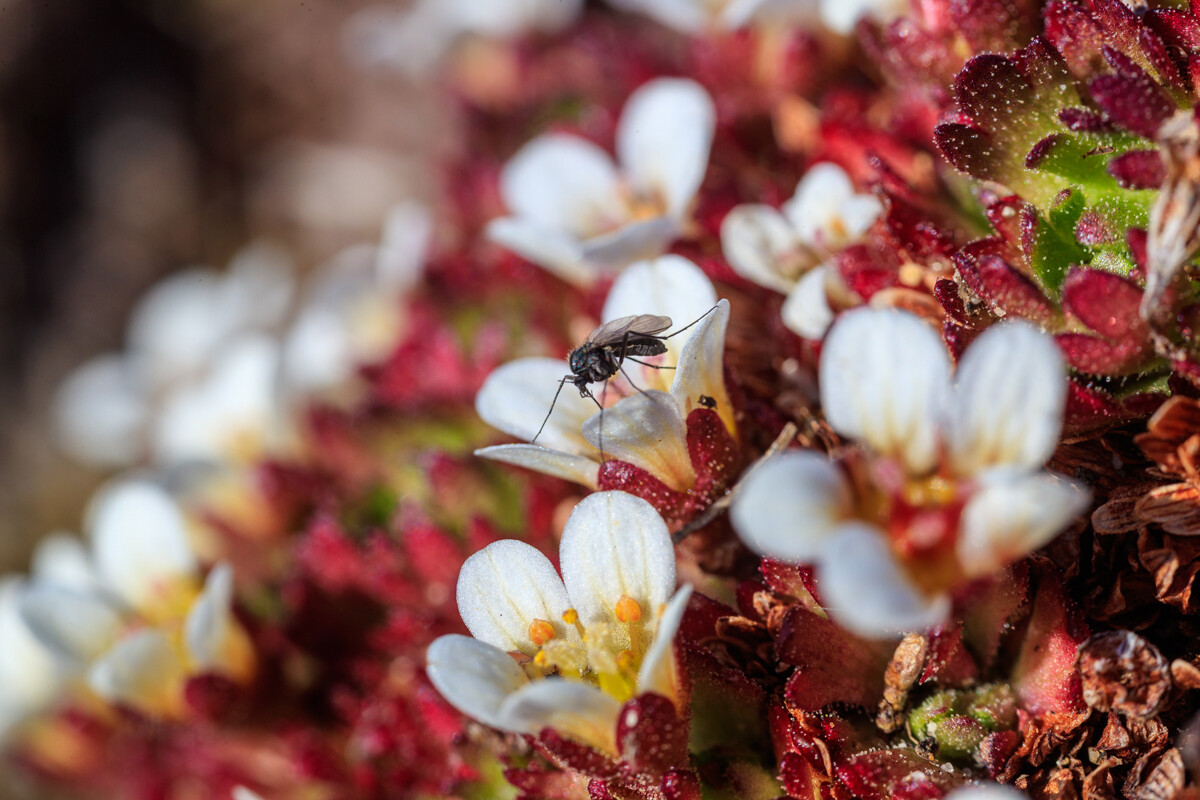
(571, 617)
(628, 610)
(540, 632)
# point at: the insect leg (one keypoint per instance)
(690, 324)
(631, 383)
(647, 363)
(551, 411)
(600, 402)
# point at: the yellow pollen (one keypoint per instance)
(628, 609)
(540, 632)
(625, 660)
(540, 659)
(570, 616)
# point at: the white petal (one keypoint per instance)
(242, 793)
(62, 560)
(75, 625)
(842, 15)
(1014, 513)
(817, 202)
(235, 403)
(207, 627)
(407, 234)
(866, 591)
(176, 325)
(1009, 397)
(99, 413)
(647, 430)
(570, 467)
(658, 671)
(517, 396)
(474, 677)
(806, 310)
(558, 251)
(758, 241)
(685, 16)
(663, 140)
(987, 791)
(614, 545)
(141, 670)
(578, 710)
(670, 286)
(700, 371)
(31, 678)
(505, 587)
(258, 289)
(643, 238)
(564, 183)
(859, 213)
(789, 506)
(885, 375)
(139, 542)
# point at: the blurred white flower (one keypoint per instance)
(414, 40)
(842, 17)
(779, 248)
(351, 312)
(133, 617)
(987, 791)
(567, 653)
(194, 354)
(968, 450)
(32, 679)
(575, 212)
(700, 16)
(647, 429)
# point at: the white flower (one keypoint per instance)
(986, 791)
(700, 16)
(31, 678)
(969, 448)
(575, 212)
(778, 248)
(646, 429)
(414, 40)
(841, 16)
(351, 313)
(133, 617)
(567, 653)
(107, 412)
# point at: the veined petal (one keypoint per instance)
(866, 591)
(669, 285)
(658, 671)
(647, 430)
(100, 412)
(565, 183)
(700, 370)
(806, 310)
(885, 376)
(505, 587)
(61, 559)
(789, 506)
(616, 545)
(141, 670)
(517, 396)
(1012, 514)
(557, 251)
(643, 238)
(139, 542)
(663, 140)
(758, 243)
(568, 466)
(76, 625)
(577, 710)
(1009, 397)
(474, 676)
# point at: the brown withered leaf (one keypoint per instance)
(1118, 514)
(1175, 506)
(902, 673)
(1185, 675)
(1123, 672)
(1171, 435)
(1099, 785)
(1165, 780)
(1173, 564)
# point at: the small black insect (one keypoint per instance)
(707, 402)
(608, 347)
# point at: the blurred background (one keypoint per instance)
(138, 137)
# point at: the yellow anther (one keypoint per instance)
(628, 609)
(570, 616)
(625, 660)
(540, 632)
(540, 659)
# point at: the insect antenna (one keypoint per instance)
(690, 324)
(551, 411)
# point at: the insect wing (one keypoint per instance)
(638, 325)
